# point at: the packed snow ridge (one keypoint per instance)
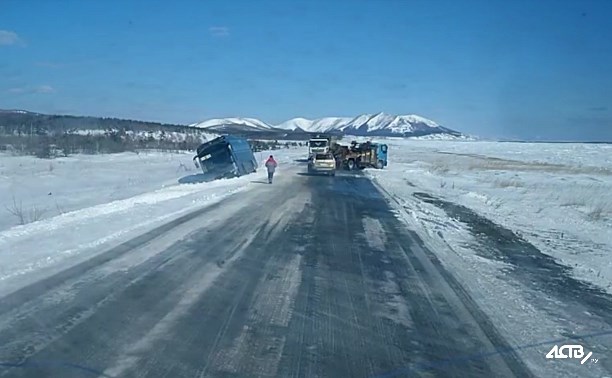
(365, 124)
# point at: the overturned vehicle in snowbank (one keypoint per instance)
(224, 157)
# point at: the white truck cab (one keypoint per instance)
(318, 146)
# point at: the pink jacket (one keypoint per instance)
(271, 164)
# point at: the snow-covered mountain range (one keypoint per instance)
(320, 125)
(380, 124)
(246, 123)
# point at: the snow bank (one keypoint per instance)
(101, 201)
(54, 187)
(557, 196)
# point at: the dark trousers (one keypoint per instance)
(270, 175)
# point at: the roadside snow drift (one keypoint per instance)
(527, 231)
(88, 203)
(556, 196)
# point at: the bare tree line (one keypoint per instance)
(48, 146)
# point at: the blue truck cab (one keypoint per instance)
(225, 156)
(381, 154)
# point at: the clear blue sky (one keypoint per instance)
(528, 69)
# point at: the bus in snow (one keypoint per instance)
(225, 156)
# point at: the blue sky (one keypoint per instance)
(511, 69)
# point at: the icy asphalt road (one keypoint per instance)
(307, 277)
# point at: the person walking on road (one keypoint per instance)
(271, 166)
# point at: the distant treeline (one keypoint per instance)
(49, 146)
(261, 145)
(48, 136)
(46, 146)
(26, 123)
(23, 123)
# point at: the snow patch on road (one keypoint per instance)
(395, 307)
(374, 233)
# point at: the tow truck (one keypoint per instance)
(360, 155)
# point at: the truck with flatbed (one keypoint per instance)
(360, 155)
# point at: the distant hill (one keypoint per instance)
(22, 122)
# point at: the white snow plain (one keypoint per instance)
(92, 203)
(558, 197)
(52, 187)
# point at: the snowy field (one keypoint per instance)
(86, 204)
(43, 188)
(557, 196)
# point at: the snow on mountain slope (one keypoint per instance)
(220, 122)
(15, 111)
(295, 123)
(379, 124)
(413, 118)
(328, 124)
(373, 122)
(317, 125)
(392, 123)
(358, 121)
(365, 122)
